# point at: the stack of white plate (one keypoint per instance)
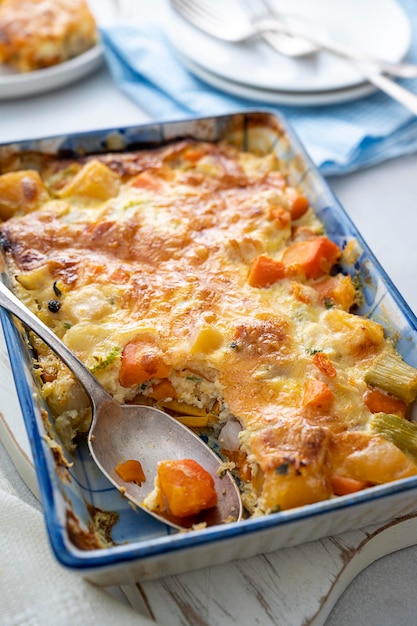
(254, 71)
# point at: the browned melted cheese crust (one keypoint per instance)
(40, 33)
(140, 262)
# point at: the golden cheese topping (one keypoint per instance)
(40, 33)
(195, 278)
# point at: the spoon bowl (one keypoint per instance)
(130, 431)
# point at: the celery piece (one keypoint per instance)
(391, 374)
(398, 431)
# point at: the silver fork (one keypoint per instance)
(287, 45)
(236, 26)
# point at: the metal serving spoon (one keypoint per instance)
(123, 432)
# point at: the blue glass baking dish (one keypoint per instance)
(142, 547)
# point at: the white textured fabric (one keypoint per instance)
(34, 589)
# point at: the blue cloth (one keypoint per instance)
(340, 138)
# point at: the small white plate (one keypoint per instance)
(16, 85)
(269, 96)
(377, 27)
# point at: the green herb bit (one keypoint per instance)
(103, 362)
(195, 379)
(313, 351)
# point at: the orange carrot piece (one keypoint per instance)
(131, 472)
(241, 461)
(317, 394)
(163, 390)
(342, 485)
(280, 216)
(194, 154)
(265, 271)
(336, 290)
(312, 257)
(141, 361)
(186, 486)
(379, 401)
(324, 364)
(299, 207)
(144, 180)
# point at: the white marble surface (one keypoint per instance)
(382, 202)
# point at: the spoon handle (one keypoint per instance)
(391, 88)
(12, 304)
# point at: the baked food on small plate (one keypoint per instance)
(40, 33)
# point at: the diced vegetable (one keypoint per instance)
(379, 401)
(95, 180)
(296, 488)
(324, 364)
(163, 390)
(131, 472)
(183, 408)
(317, 394)
(147, 181)
(336, 290)
(194, 421)
(240, 460)
(342, 485)
(299, 207)
(390, 373)
(207, 340)
(265, 271)
(141, 361)
(398, 431)
(21, 192)
(186, 487)
(312, 258)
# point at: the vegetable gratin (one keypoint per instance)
(195, 278)
(35, 34)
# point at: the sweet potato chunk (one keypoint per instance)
(140, 362)
(265, 271)
(21, 192)
(131, 471)
(95, 180)
(312, 257)
(187, 488)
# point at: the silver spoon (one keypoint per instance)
(123, 432)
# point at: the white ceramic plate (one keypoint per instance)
(16, 85)
(269, 96)
(377, 27)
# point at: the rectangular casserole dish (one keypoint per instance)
(74, 496)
